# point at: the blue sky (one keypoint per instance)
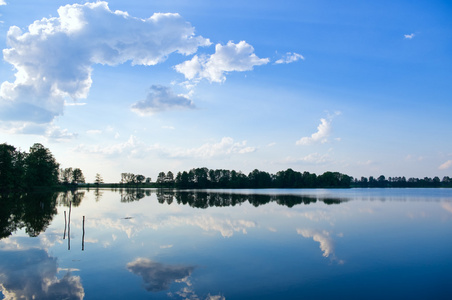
(359, 87)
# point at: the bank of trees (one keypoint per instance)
(37, 168)
(134, 179)
(200, 178)
(398, 182)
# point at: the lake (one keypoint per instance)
(227, 244)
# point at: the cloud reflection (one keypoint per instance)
(447, 206)
(325, 240)
(31, 274)
(156, 276)
(225, 226)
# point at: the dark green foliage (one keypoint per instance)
(41, 168)
(202, 178)
(402, 182)
(20, 170)
(12, 167)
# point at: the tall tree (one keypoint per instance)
(77, 176)
(12, 167)
(66, 175)
(98, 180)
(140, 178)
(41, 167)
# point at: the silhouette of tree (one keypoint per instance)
(41, 167)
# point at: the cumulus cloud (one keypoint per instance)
(156, 276)
(322, 133)
(31, 274)
(161, 98)
(445, 165)
(49, 131)
(2, 2)
(409, 36)
(53, 60)
(320, 136)
(55, 133)
(231, 57)
(289, 58)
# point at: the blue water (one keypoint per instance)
(232, 244)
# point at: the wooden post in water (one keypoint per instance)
(83, 235)
(69, 227)
(65, 225)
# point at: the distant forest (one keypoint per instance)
(201, 178)
(38, 168)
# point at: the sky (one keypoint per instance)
(357, 87)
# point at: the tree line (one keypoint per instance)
(38, 168)
(20, 170)
(398, 182)
(202, 178)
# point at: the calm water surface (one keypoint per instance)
(227, 244)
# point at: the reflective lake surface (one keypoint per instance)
(227, 244)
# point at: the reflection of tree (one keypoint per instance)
(74, 196)
(10, 214)
(156, 276)
(200, 199)
(39, 209)
(130, 195)
(165, 196)
(97, 194)
(31, 274)
(32, 211)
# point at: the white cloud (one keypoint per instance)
(409, 36)
(57, 134)
(135, 148)
(74, 103)
(94, 132)
(49, 131)
(161, 98)
(289, 58)
(313, 158)
(231, 57)
(322, 134)
(446, 165)
(132, 147)
(53, 60)
(226, 146)
(2, 2)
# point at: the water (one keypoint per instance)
(228, 244)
